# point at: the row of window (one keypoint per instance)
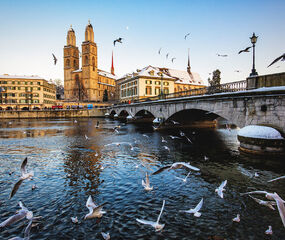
(49, 96)
(129, 92)
(130, 84)
(20, 95)
(21, 101)
(22, 88)
(157, 82)
(19, 83)
(157, 90)
(49, 102)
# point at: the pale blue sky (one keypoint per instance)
(32, 30)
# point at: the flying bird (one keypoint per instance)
(275, 179)
(176, 166)
(118, 40)
(24, 175)
(196, 210)
(94, 210)
(146, 183)
(172, 59)
(174, 122)
(156, 224)
(166, 148)
(163, 140)
(186, 35)
(220, 189)
(184, 179)
(106, 236)
(54, 59)
(264, 203)
(282, 58)
(21, 214)
(167, 55)
(222, 55)
(173, 137)
(244, 50)
(159, 51)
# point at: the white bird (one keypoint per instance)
(256, 174)
(275, 179)
(94, 210)
(264, 203)
(206, 158)
(74, 219)
(269, 230)
(24, 175)
(174, 137)
(163, 140)
(176, 166)
(220, 189)
(145, 135)
(156, 224)
(174, 122)
(146, 183)
(196, 210)
(273, 196)
(237, 218)
(86, 137)
(106, 236)
(166, 148)
(23, 213)
(184, 179)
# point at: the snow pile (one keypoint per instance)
(254, 131)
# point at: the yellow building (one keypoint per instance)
(150, 81)
(88, 83)
(26, 92)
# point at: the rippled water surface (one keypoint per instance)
(68, 168)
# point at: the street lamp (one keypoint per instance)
(253, 40)
(161, 85)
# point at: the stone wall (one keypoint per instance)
(271, 80)
(52, 114)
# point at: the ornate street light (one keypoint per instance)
(253, 40)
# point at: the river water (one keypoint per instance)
(68, 168)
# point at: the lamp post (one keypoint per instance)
(161, 85)
(253, 40)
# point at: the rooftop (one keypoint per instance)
(7, 76)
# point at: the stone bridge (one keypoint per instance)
(263, 106)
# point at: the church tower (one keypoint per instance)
(71, 63)
(89, 65)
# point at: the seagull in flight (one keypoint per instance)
(176, 166)
(282, 58)
(146, 183)
(264, 203)
(54, 59)
(159, 51)
(273, 196)
(173, 137)
(196, 210)
(167, 55)
(94, 210)
(222, 55)
(244, 50)
(106, 236)
(86, 137)
(275, 179)
(163, 140)
(166, 148)
(172, 59)
(186, 36)
(118, 40)
(21, 214)
(220, 189)
(174, 122)
(156, 224)
(24, 175)
(184, 179)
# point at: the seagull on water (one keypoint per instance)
(176, 166)
(196, 210)
(21, 214)
(146, 183)
(269, 230)
(94, 210)
(156, 224)
(273, 196)
(166, 148)
(106, 236)
(184, 179)
(24, 175)
(237, 218)
(163, 140)
(220, 189)
(74, 219)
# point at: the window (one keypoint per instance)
(166, 90)
(166, 83)
(135, 91)
(157, 91)
(31, 83)
(148, 82)
(39, 83)
(93, 63)
(86, 60)
(67, 63)
(151, 72)
(19, 88)
(39, 88)
(74, 63)
(148, 90)
(157, 82)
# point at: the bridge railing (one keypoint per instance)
(226, 87)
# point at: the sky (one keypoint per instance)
(30, 31)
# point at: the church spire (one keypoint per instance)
(112, 66)
(188, 66)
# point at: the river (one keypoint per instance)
(70, 167)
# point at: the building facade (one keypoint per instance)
(17, 92)
(88, 83)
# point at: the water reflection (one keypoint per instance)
(68, 168)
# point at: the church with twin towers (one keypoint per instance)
(86, 83)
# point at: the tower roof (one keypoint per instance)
(70, 29)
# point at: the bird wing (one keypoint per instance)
(188, 166)
(199, 206)
(23, 166)
(99, 208)
(159, 51)
(143, 183)
(247, 49)
(28, 229)
(254, 192)
(15, 188)
(146, 179)
(15, 218)
(115, 42)
(280, 206)
(224, 183)
(146, 222)
(276, 60)
(90, 204)
(240, 51)
(163, 203)
(186, 36)
(161, 169)
(275, 179)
